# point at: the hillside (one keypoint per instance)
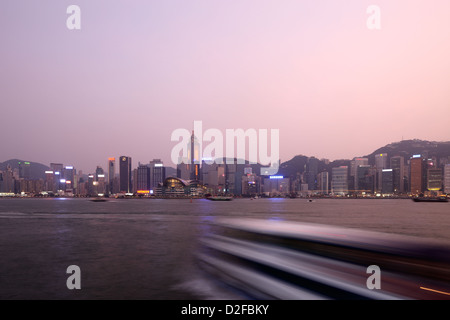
(405, 148)
(37, 170)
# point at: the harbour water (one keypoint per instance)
(145, 249)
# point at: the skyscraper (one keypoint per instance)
(157, 173)
(195, 160)
(56, 167)
(312, 169)
(339, 180)
(99, 171)
(447, 178)
(8, 180)
(434, 179)
(184, 171)
(69, 175)
(49, 184)
(354, 168)
(111, 174)
(24, 170)
(364, 179)
(397, 166)
(417, 174)
(381, 162)
(387, 186)
(143, 178)
(125, 174)
(322, 182)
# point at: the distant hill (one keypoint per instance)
(405, 148)
(408, 148)
(37, 170)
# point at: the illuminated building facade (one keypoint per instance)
(251, 184)
(276, 186)
(178, 188)
(434, 179)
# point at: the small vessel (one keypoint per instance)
(430, 199)
(220, 198)
(98, 199)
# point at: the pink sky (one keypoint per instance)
(138, 70)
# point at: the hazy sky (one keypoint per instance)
(138, 70)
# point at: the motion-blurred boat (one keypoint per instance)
(430, 199)
(220, 198)
(98, 199)
(275, 259)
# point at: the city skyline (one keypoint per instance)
(136, 162)
(135, 72)
(385, 176)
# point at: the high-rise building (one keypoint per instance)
(101, 183)
(312, 169)
(49, 183)
(99, 170)
(323, 182)
(381, 162)
(8, 180)
(184, 171)
(364, 179)
(339, 180)
(195, 160)
(125, 174)
(215, 178)
(230, 177)
(24, 170)
(111, 174)
(397, 166)
(68, 174)
(434, 179)
(157, 173)
(143, 178)
(251, 184)
(417, 175)
(447, 178)
(91, 190)
(277, 185)
(354, 167)
(387, 185)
